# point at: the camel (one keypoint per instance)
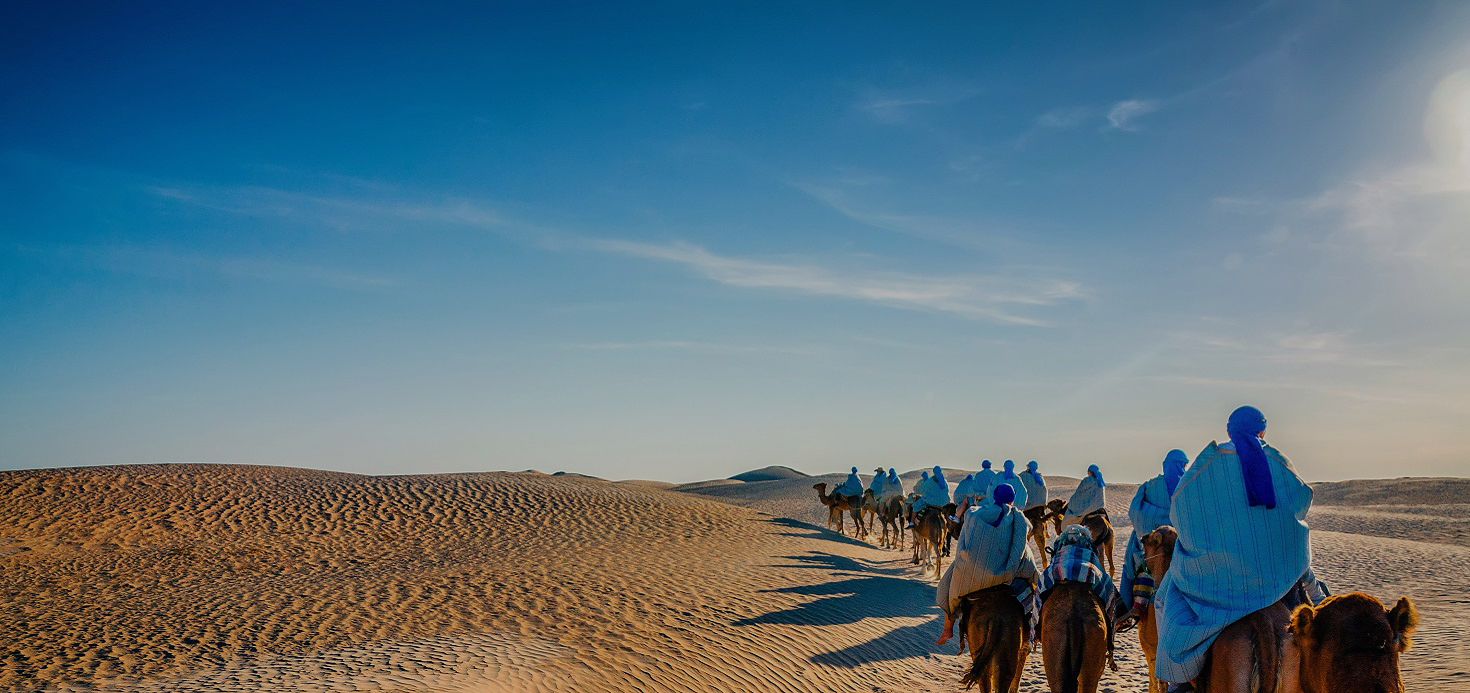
(995, 626)
(1037, 516)
(1102, 536)
(929, 538)
(1351, 644)
(1056, 509)
(951, 525)
(1158, 551)
(836, 505)
(890, 515)
(1074, 638)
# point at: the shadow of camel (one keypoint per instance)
(832, 561)
(818, 532)
(896, 644)
(852, 600)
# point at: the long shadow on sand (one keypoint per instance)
(821, 560)
(852, 600)
(817, 532)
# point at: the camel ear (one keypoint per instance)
(1301, 623)
(1403, 619)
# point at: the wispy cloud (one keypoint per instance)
(1301, 348)
(986, 298)
(1123, 113)
(1067, 117)
(893, 107)
(340, 212)
(839, 196)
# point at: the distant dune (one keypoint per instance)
(772, 473)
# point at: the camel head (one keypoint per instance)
(1158, 550)
(1055, 509)
(1351, 644)
(822, 493)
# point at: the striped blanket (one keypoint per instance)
(1078, 563)
(1231, 559)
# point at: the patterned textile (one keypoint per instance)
(1075, 560)
(1232, 558)
(1148, 511)
(991, 550)
(1088, 497)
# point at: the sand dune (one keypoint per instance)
(239, 578)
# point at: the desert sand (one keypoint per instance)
(245, 578)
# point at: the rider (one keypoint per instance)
(1035, 488)
(965, 492)
(1148, 511)
(992, 550)
(892, 486)
(1243, 545)
(985, 479)
(878, 483)
(1009, 478)
(932, 490)
(852, 487)
(1089, 497)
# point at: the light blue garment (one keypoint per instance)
(965, 490)
(1009, 477)
(1232, 558)
(1148, 511)
(1035, 487)
(985, 480)
(880, 480)
(931, 492)
(893, 486)
(991, 550)
(852, 487)
(1088, 497)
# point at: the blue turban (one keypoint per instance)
(1031, 467)
(1010, 472)
(854, 470)
(985, 464)
(1094, 471)
(893, 474)
(1004, 494)
(1174, 464)
(924, 476)
(939, 476)
(1245, 427)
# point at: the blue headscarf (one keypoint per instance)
(1245, 427)
(1004, 494)
(1010, 472)
(924, 476)
(1174, 464)
(939, 476)
(1031, 467)
(892, 474)
(1094, 471)
(985, 464)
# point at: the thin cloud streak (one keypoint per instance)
(971, 297)
(1123, 113)
(168, 264)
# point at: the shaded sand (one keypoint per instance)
(237, 578)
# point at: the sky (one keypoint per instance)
(679, 241)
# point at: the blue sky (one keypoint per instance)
(681, 241)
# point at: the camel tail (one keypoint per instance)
(1268, 655)
(981, 652)
(1073, 650)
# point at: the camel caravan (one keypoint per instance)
(1216, 576)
